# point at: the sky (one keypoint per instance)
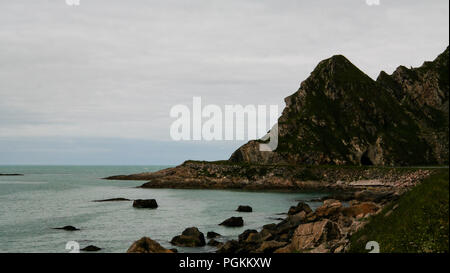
(94, 84)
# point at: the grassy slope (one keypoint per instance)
(419, 224)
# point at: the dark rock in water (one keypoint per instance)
(112, 200)
(147, 245)
(174, 250)
(68, 228)
(215, 243)
(233, 222)
(212, 234)
(244, 235)
(244, 209)
(301, 206)
(145, 203)
(10, 174)
(191, 237)
(91, 248)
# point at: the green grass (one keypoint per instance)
(419, 224)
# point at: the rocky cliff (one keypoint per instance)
(341, 116)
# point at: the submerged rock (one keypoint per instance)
(233, 222)
(191, 237)
(68, 228)
(147, 245)
(145, 203)
(244, 209)
(112, 200)
(91, 248)
(212, 234)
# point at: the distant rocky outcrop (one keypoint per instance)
(230, 175)
(341, 116)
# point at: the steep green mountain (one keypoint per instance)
(341, 116)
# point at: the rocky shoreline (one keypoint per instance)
(229, 175)
(326, 230)
(358, 193)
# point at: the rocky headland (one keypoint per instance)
(341, 132)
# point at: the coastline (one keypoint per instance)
(366, 191)
(229, 175)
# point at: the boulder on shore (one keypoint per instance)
(91, 248)
(145, 203)
(270, 246)
(301, 206)
(363, 208)
(233, 222)
(191, 237)
(330, 209)
(244, 209)
(229, 247)
(147, 245)
(309, 236)
(244, 235)
(68, 228)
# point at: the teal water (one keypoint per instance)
(54, 196)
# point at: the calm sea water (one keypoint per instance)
(54, 196)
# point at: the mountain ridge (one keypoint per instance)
(341, 116)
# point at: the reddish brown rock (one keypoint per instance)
(311, 235)
(147, 245)
(270, 246)
(361, 209)
(330, 209)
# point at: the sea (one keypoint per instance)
(47, 197)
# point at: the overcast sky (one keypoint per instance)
(89, 84)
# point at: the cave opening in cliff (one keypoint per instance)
(365, 160)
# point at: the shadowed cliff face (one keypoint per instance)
(341, 116)
(423, 93)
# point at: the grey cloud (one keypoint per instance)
(115, 68)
